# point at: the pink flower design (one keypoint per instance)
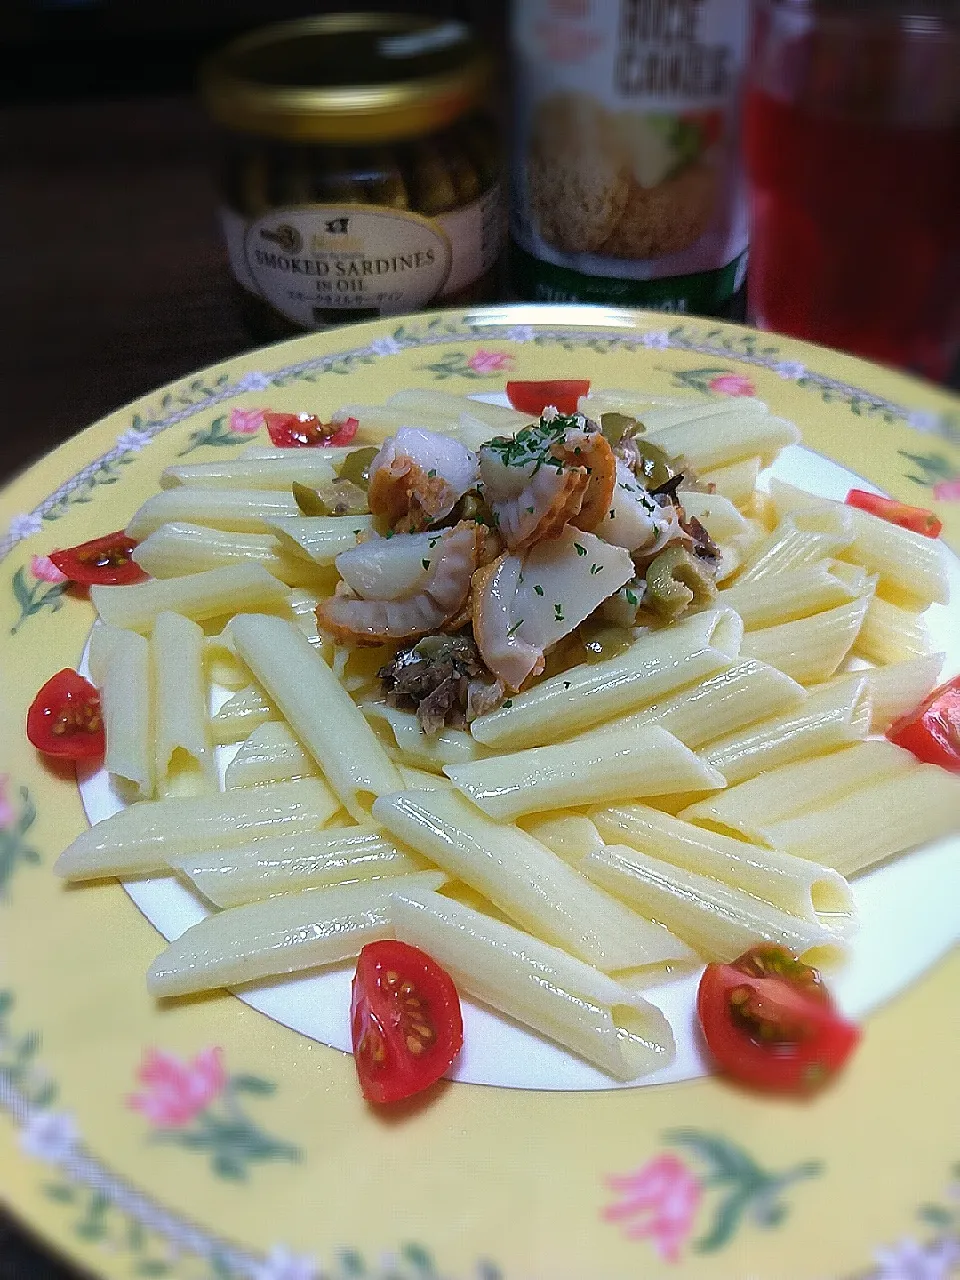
(177, 1091)
(44, 570)
(490, 361)
(658, 1202)
(7, 814)
(947, 490)
(731, 384)
(246, 422)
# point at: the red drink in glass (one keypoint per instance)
(853, 151)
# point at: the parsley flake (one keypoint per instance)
(431, 474)
(566, 684)
(581, 551)
(516, 627)
(631, 597)
(538, 589)
(508, 704)
(425, 563)
(558, 612)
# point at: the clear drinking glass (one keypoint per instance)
(852, 127)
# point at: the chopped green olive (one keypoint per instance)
(342, 498)
(600, 640)
(657, 467)
(615, 426)
(675, 581)
(309, 500)
(356, 466)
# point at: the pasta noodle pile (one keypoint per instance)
(612, 824)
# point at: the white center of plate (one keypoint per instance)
(907, 911)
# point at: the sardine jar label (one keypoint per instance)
(627, 183)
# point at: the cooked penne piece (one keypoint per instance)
(717, 514)
(286, 864)
(894, 690)
(801, 538)
(379, 421)
(223, 666)
(185, 763)
(537, 984)
(419, 780)
(238, 510)
(196, 596)
(659, 416)
(889, 816)
(430, 751)
(655, 665)
(121, 670)
(281, 935)
(503, 419)
(177, 549)
(529, 884)
(335, 454)
(647, 761)
(633, 402)
(303, 606)
(737, 481)
(569, 835)
(719, 921)
(910, 566)
(732, 699)
(829, 718)
(715, 441)
(271, 753)
(307, 466)
(240, 715)
(795, 885)
(891, 634)
(321, 713)
(319, 539)
(145, 836)
(809, 649)
(797, 594)
(799, 787)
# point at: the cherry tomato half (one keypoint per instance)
(405, 1021)
(771, 1024)
(932, 732)
(306, 431)
(105, 562)
(533, 397)
(65, 718)
(916, 519)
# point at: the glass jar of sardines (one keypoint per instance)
(361, 168)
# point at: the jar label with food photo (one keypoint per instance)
(323, 264)
(627, 184)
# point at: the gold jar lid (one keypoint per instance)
(347, 77)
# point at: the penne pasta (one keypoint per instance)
(795, 885)
(798, 787)
(890, 815)
(647, 761)
(440, 403)
(797, 594)
(335, 454)
(145, 836)
(196, 596)
(177, 549)
(222, 665)
(247, 710)
(419, 780)
(657, 664)
(829, 718)
(429, 751)
(891, 634)
(236, 510)
(810, 649)
(321, 713)
(288, 863)
(271, 753)
(801, 538)
(737, 481)
(708, 442)
(537, 984)
(528, 883)
(717, 514)
(569, 835)
(894, 690)
(185, 763)
(281, 935)
(911, 567)
(319, 539)
(121, 669)
(719, 921)
(307, 466)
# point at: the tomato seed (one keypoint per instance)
(414, 1045)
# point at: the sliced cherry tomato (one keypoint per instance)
(932, 732)
(405, 1021)
(533, 397)
(65, 718)
(105, 562)
(916, 519)
(306, 431)
(770, 1023)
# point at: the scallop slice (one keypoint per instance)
(388, 568)
(353, 619)
(418, 477)
(632, 520)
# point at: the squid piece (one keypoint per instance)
(555, 473)
(524, 606)
(435, 596)
(418, 477)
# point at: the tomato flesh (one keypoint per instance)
(405, 1021)
(65, 718)
(916, 519)
(306, 431)
(932, 732)
(769, 1022)
(533, 397)
(104, 562)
